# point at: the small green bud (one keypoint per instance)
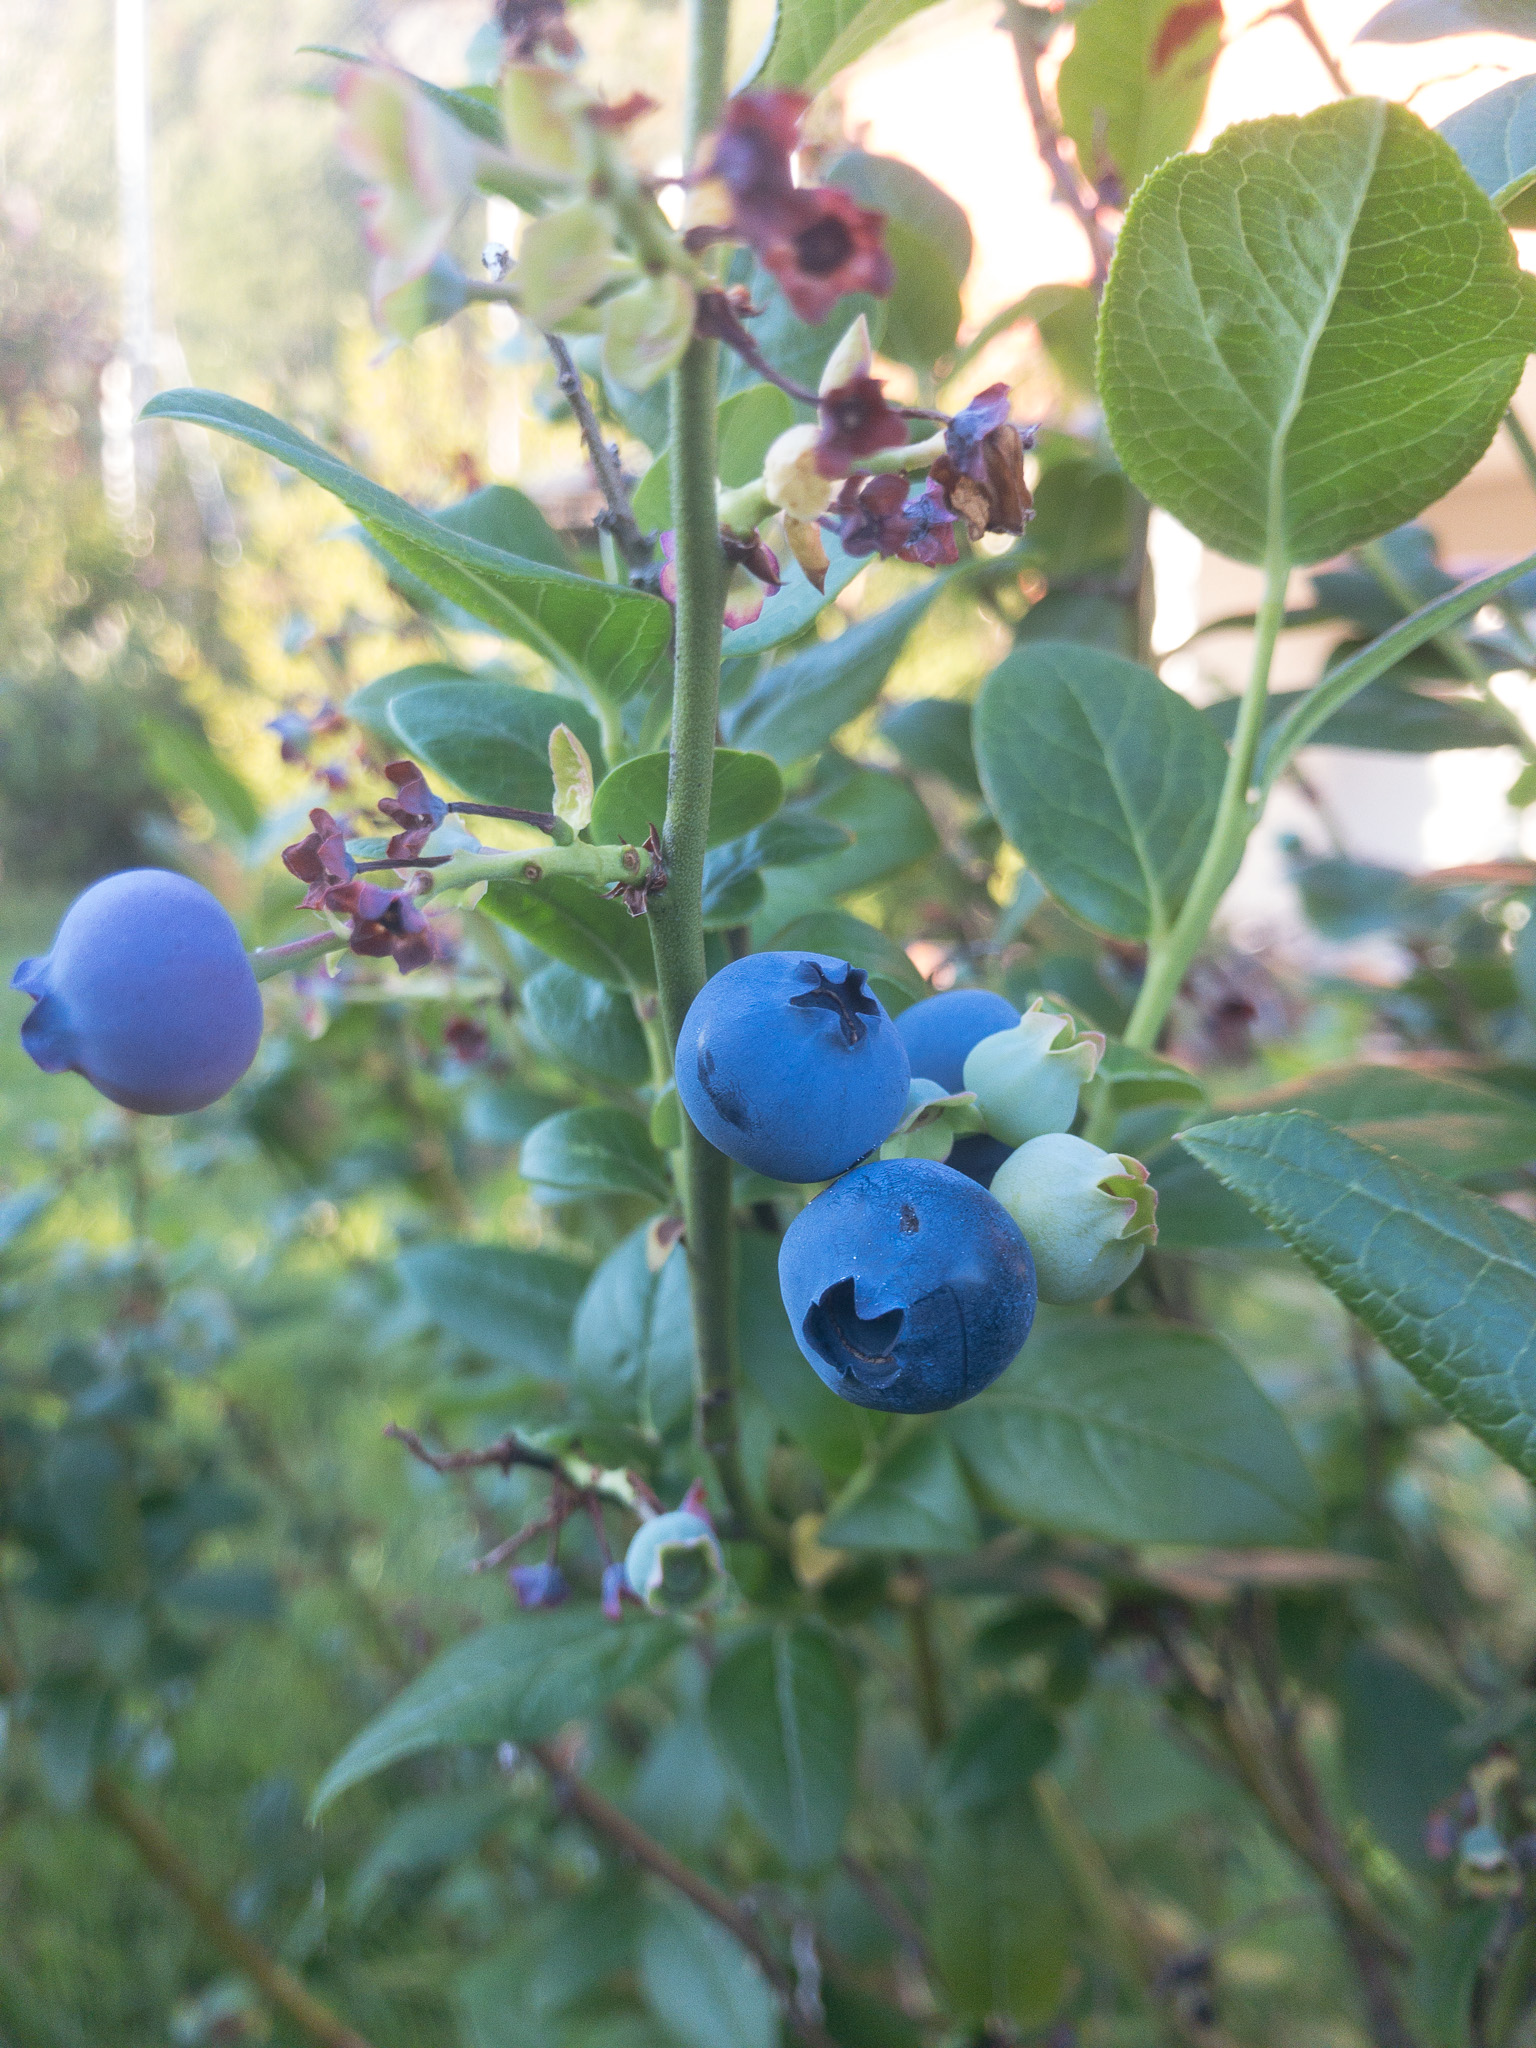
(646, 329)
(1026, 1081)
(1088, 1215)
(426, 301)
(566, 258)
(932, 1122)
(674, 1564)
(570, 766)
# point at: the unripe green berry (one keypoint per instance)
(1088, 1215)
(1026, 1081)
(674, 1564)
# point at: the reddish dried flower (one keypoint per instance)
(855, 421)
(417, 810)
(296, 731)
(981, 472)
(745, 592)
(623, 114)
(819, 243)
(334, 776)
(386, 924)
(880, 518)
(321, 859)
(468, 1039)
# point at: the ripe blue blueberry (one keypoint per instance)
(673, 1563)
(978, 1156)
(147, 993)
(907, 1286)
(939, 1031)
(789, 1065)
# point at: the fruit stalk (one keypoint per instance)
(676, 915)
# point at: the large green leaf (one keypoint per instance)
(1423, 21)
(830, 1429)
(701, 1983)
(1384, 719)
(1000, 1922)
(928, 239)
(1136, 1432)
(1495, 137)
(516, 1307)
(915, 1499)
(517, 1681)
(782, 1715)
(1103, 778)
(583, 1024)
(369, 706)
(794, 708)
(812, 40)
(508, 519)
(605, 635)
(489, 738)
(632, 1339)
(572, 923)
(933, 737)
(1132, 88)
(1448, 1124)
(593, 1151)
(746, 791)
(1446, 1280)
(1311, 331)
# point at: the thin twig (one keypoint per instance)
(271, 1978)
(619, 519)
(605, 1818)
(1019, 23)
(1296, 11)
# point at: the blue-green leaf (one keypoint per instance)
(782, 1716)
(515, 1307)
(794, 708)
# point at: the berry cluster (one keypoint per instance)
(910, 1284)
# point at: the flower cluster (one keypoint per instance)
(383, 923)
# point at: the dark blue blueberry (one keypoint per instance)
(939, 1031)
(789, 1065)
(538, 1585)
(147, 993)
(907, 1286)
(978, 1156)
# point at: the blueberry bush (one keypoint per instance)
(988, 1523)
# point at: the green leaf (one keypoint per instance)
(809, 1412)
(1104, 779)
(594, 1151)
(489, 739)
(369, 706)
(1397, 1748)
(999, 1922)
(606, 636)
(995, 1752)
(812, 40)
(1444, 1279)
(1447, 1124)
(72, 1713)
(583, 1024)
(517, 1681)
(895, 981)
(1132, 88)
(1310, 332)
(915, 1499)
(933, 737)
(794, 708)
(516, 1307)
(428, 1834)
(782, 1716)
(701, 1983)
(796, 602)
(1136, 1432)
(506, 518)
(891, 831)
(1140, 1079)
(1424, 21)
(928, 239)
(632, 1340)
(733, 873)
(1495, 137)
(747, 790)
(1384, 719)
(573, 924)
(746, 426)
(1196, 1213)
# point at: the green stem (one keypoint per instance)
(1452, 643)
(1525, 448)
(676, 916)
(1169, 959)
